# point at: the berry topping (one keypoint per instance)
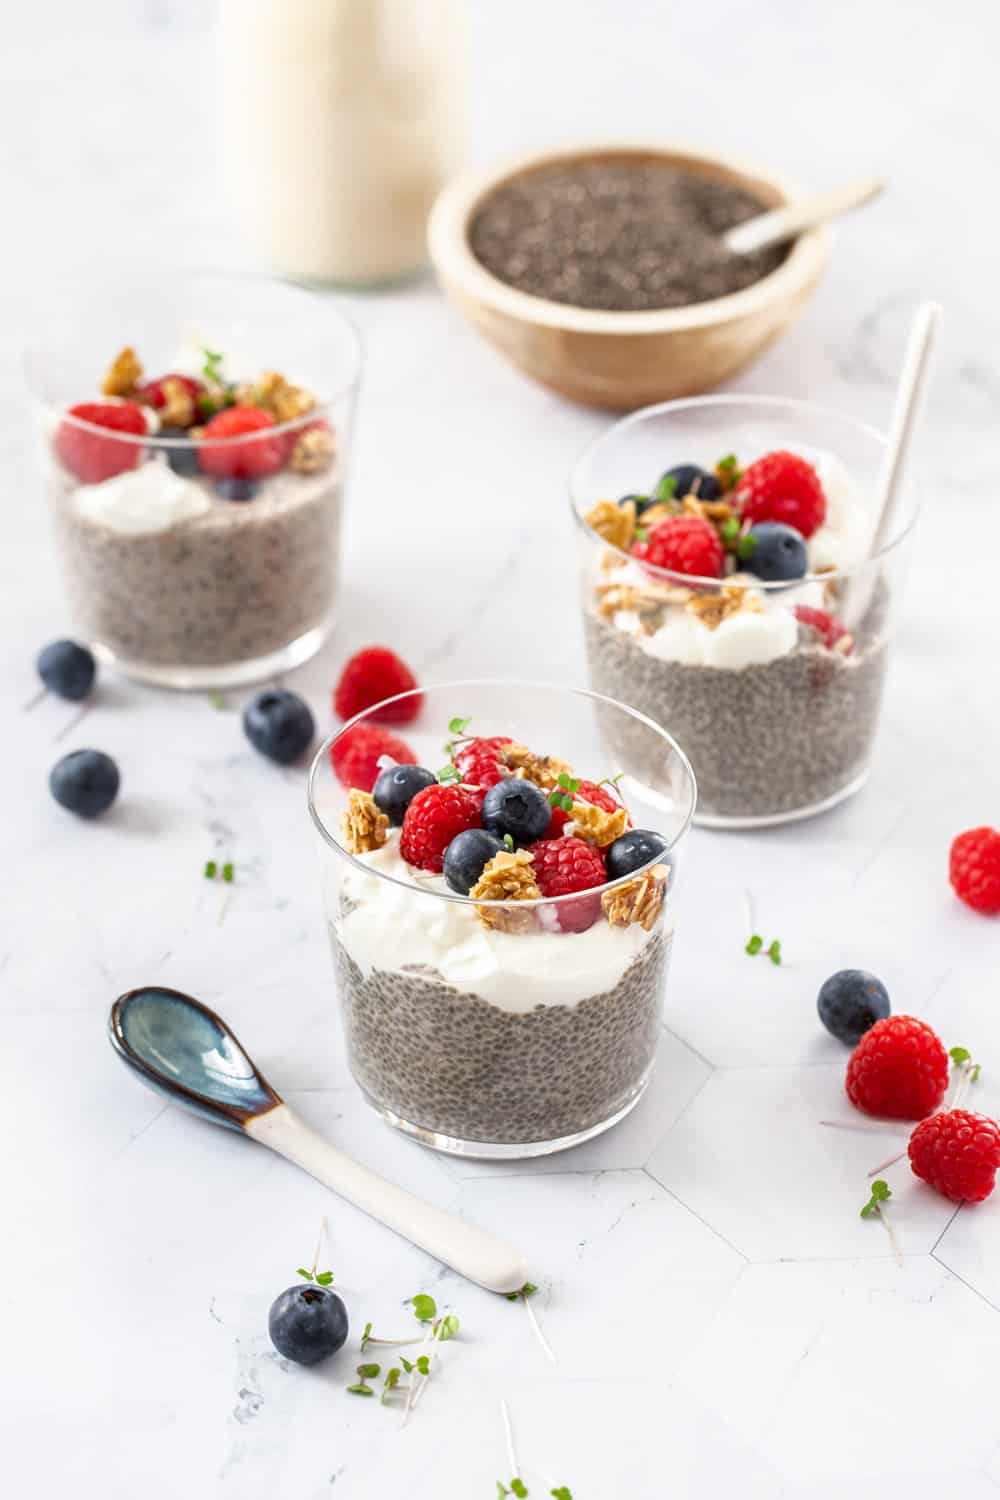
(689, 479)
(93, 458)
(585, 791)
(259, 456)
(974, 869)
(831, 631)
(850, 1002)
(233, 487)
(154, 394)
(899, 1069)
(561, 868)
(634, 850)
(478, 761)
(781, 486)
(517, 807)
(182, 453)
(67, 669)
(308, 1323)
(467, 856)
(958, 1153)
(371, 675)
(85, 782)
(355, 755)
(396, 788)
(684, 544)
(774, 552)
(436, 815)
(279, 724)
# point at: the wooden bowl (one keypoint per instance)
(622, 360)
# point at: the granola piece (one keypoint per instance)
(731, 599)
(595, 826)
(640, 900)
(178, 409)
(123, 375)
(273, 393)
(654, 514)
(313, 451)
(543, 770)
(507, 877)
(614, 523)
(363, 824)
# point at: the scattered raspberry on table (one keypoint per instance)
(372, 675)
(899, 1070)
(958, 1153)
(974, 869)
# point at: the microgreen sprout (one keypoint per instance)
(642, 533)
(211, 869)
(730, 529)
(391, 1382)
(457, 729)
(962, 1058)
(323, 1278)
(424, 1307)
(561, 1492)
(881, 1193)
(361, 1386)
(746, 547)
(666, 489)
(448, 773)
(227, 872)
(728, 472)
(754, 945)
(774, 951)
(562, 796)
(508, 842)
(528, 1290)
(212, 367)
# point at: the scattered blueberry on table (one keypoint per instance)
(279, 724)
(67, 669)
(85, 782)
(850, 1002)
(308, 1323)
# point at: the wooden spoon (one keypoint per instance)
(780, 224)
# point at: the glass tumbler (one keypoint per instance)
(502, 1023)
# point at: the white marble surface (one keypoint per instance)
(723, 1321)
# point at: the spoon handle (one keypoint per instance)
(482, 1257)
(780, 224)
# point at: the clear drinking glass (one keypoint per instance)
(505, 1028)
(779, 713)
(192, 561)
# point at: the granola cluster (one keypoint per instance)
(123, 374)
(595, 826)
(507, 877)
(543, 770)
(273, 393)
(313, 451)
(640, 900)
(362, 824)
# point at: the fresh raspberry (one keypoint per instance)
(563, 866)
(371, 675)
(254, 459)
(958, 1153)
(899, 1069)
(479, 763)
(587, 791)
(433, 819)
(974, 869)
(684, 544)
(152, 392)
(92, 458)
(831, 630)
(781, 486)
(355, 755)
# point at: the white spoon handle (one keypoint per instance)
(472, 1252)
(780, 224)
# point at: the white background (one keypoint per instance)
(723, 1320)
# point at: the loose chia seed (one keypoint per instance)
(622, 235)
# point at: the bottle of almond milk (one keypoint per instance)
(340, 120)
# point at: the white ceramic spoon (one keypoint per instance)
(181, 1048)
(780, 224)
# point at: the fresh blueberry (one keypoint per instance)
(233, 487)
(774, 552)
(396, 788)
(307, 1323)
(850, 1002)
(67, 669)
(279, 724)
(517, 807)
(689, 479)
(182, 454)
(466, 856)
(85, 782)
(638, 847)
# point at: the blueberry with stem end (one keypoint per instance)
(279, 724)
(774, 552)
(67, 669)
(632, 851)
(467, 856)
(396, 788)
(182, 454)
(85, 782)
(518, 808)
(850, 1002)
(308, 1323)
(689, 479)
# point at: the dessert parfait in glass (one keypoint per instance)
(193, 437)
(501, 924)
(730, 593)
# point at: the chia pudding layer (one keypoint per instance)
(767, 739)
(237, 581)
(450, 1062)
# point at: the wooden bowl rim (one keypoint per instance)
(451, 254)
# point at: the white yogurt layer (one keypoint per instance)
(755, 637)
(393, 927)
(149, 498)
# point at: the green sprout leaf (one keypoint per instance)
(324, 1278)
(424, 1307)
(448, 773)
(423, 1364)
(501, 1489)
(528, 1290)
(360, 1390)
(666, 489)
(561, 1492)
(774, 952)
(519, 1488)
(959, 1055)
(407, 1364)
(755, 944)
(508, 842)
(881, 1192)
(746, 547)
(458, 726)
(448, 1327)
(212, 367)
(368, 1372)
(730, 529)
(211, 869)
(391, 1382)
(303, 1272)
(728, 472)
(365, 1337)
(227, 872)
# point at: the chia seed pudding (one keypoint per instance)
(620, 234)
(770, 673)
